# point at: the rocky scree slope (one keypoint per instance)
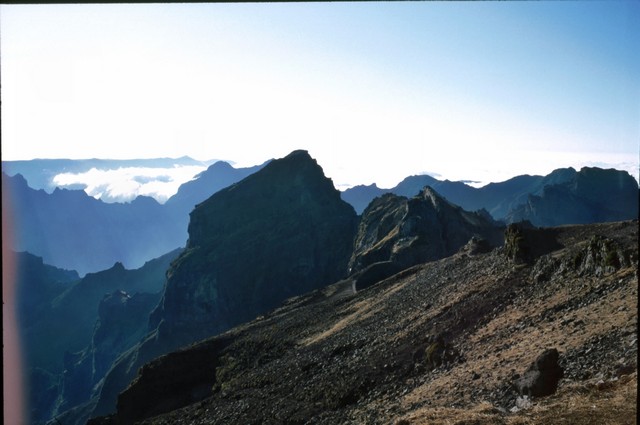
(439, 343)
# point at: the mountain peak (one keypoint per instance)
(406, 232)
(220, 165)
(429, 194)
(299, 153)
(279, 232)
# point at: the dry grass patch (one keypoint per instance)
(613, 403)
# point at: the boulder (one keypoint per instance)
(542, 377)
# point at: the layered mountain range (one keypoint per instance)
(590, 195)
(41, 173)
(278, 232)
(57, 225)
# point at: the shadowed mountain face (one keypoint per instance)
(121, 323)
(590, 196)
(216, 177)
(58, 226)
(70, 229)
(280, 232)
(59, 317)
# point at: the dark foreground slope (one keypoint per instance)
(438, 343)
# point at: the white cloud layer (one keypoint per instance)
(125, 184)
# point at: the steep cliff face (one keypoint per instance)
(411, 231)
(218, 176)
(71, 333)
(278, 233)
(36, 286)
(122, 322)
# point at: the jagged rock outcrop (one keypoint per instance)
(219, 175)
(37, 285)
(280, 232)
(122, 323)
(412, 231)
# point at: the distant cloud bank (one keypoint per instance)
(123, 184)
(126, 183)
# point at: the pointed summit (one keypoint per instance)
(280, 232)
(411, 231)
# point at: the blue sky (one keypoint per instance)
(375, 91)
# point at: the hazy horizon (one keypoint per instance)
(375, 91)
(125, 183)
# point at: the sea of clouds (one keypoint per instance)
(126, 183)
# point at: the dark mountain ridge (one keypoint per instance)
(411, 231)
(72, 230)
(609, 195)
(60, 226)
(280, 232)
(57, 226)
(284, 227)
(592, 195)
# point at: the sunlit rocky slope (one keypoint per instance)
(441, 342)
